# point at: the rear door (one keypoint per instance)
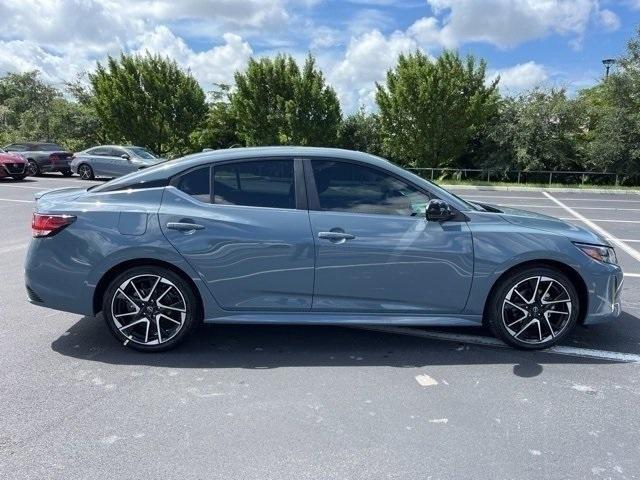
(244, 226)
(98, 159)
(375, 250)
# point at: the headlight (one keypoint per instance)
(599, 252)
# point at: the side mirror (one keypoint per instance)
(438, 211)
(125, 156)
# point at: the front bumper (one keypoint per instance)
(604, 290)
(10, 169)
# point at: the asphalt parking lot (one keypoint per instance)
(252, 402)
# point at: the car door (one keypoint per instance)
(98, 159)
(244, 226)
(114, 164)
(375, 250)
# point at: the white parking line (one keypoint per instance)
(21, 186)
(623, 246)
(610, 209)
(15, 200)
(608, 220)
(494, 342)
(597, 200)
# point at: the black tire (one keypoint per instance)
(33, 169)
(553, 327)
(66, 173)
(133, 336)
(20, 177)
(86, 172)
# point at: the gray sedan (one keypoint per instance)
(112, 161)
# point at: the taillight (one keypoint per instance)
(47, 225)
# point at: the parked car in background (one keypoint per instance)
(12, 165)
(112, 161)
(310, 235)
(43, 157)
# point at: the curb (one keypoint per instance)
(488, 188)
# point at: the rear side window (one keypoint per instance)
(196, 183)
(260, 183)
(353, 188)
(98, 151)
(48, 147)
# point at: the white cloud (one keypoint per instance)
(365, 62)
(507, 23)
(523, 76)
(252, 13)
(215, 65)
(609, 20)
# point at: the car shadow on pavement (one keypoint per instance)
(275, 346)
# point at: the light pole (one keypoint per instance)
(607, 62)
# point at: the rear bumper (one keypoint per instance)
(51, 283)
(604, 295)
(57, 166)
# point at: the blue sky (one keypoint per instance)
(528, 42)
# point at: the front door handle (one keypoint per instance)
(184, 227)
(336, 236)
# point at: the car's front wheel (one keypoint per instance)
(533, 308)
(66, 172)
(33, 169)
(150, 308)
(85, 171)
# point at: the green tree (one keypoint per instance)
(361, 131)
(430, 109)
(538, 130)
(26, 106)
(219, 129)
(149, 101)
(278, 104)
(612, 116)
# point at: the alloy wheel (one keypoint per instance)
(85, 172)
(148, 309)
(536, 310)
(32, 168)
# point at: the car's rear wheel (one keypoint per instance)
(150, 308)
(66, 172)
(32, 168)
(85, 171)
(533, 308)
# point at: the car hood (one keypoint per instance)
(11, 158)
(538, 221)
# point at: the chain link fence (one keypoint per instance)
(526, 177)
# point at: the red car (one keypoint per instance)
(12, 165)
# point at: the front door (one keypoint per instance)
(249, 238)
(375, 251)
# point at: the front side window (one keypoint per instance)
(258, 183)
(353, 188)
(196, 183)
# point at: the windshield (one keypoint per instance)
(143, 153)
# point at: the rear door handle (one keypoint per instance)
(336, 236)
(184, 227)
